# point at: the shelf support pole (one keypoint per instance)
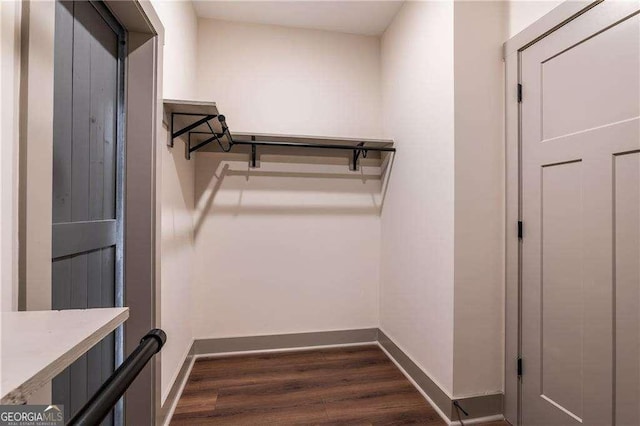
(356, 155)
(253, 152)
(253, 155)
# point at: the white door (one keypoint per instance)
(580, 146)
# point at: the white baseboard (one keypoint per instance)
(174, 403)
(176, 373)
(415, 385)
(296, 349)
(478, 420)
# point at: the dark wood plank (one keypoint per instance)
(376, 413)
(81, 113)
(353, 353)
(236, 371)
(202, 404)
(296, 391)
(310, 413)
(355, 385)
(62, 113)
(103, 109)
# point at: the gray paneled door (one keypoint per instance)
(87, 183)
(580, 123)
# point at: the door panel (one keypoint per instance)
(627, 287)
(87, 77)
(580, 137)
(86, 84)
(561, 335)
(616, 99)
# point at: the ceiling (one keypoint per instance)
(356, 17)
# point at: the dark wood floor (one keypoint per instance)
(329, 386)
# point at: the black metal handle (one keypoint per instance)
(97, 408)
(225, 130)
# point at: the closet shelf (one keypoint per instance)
(204, 126)
(38, 345)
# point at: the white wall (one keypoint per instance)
(416, 291)
(283, 249)
(271, 79)
(177, 192)
(10, 17)
(480, 27)
(442, 223)
(36, 153)
(180, 41)
(523, 13)
(292, 246)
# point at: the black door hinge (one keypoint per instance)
(519, 92)
(519, 367)
(520, 226)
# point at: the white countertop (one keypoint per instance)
(38, 345)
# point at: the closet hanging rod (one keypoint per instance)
(316, 145)
(292, 144)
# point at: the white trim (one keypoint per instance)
(550, 22)
(511, 301)
(288, 333)
(9, 152)
(487, 419)
(175, 375)
(265, 351)
(174, 404)
(424, 370)
(476, 395)
(415, 385)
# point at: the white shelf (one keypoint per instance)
(38, 345)
(190, 107)
(328, 140)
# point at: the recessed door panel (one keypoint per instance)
(562, 293)
(627, 287)
(604, 63)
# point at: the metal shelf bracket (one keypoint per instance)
(200, 121)
(356, 154)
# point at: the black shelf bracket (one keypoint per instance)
(356, 154)
(200, 119)
(253, 153)
(213, 136)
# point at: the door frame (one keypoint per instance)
(142, 124)
(556, 18)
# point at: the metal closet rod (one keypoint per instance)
(314, 145)
(359, 147)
